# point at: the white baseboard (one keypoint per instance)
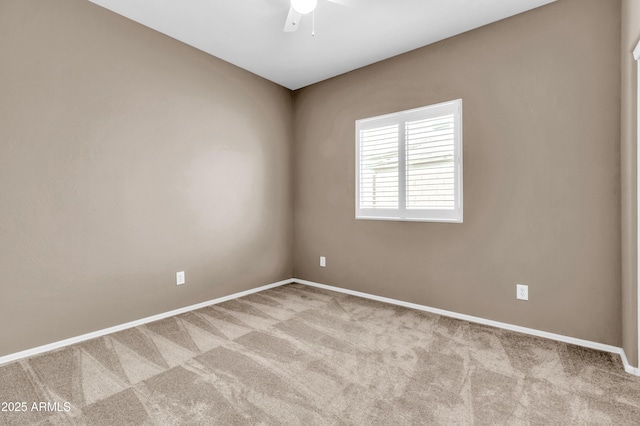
(628, 367)
(531, 331)
(66, 342)
(558, 337)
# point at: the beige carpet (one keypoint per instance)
(296, 355)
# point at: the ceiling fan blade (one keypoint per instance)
(348, 3)
(293, 21)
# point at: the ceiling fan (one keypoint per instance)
(304, 7)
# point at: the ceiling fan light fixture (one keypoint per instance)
(304, 6)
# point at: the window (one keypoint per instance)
(409, 165)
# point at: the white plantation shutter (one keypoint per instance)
(430, 165)
(379, 167)
(409, 165)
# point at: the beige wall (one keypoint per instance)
(630, 38)
(126, 156)
(541, 175)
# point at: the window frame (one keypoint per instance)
(401, 118)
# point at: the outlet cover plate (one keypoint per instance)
(522, 292)
(180, 279)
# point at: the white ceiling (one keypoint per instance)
(249, 33)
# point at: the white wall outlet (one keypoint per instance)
(323, 261)
(522, 292)
(180, 278)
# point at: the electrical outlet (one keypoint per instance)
(323, 261)
(180, 278)
(522, 292)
